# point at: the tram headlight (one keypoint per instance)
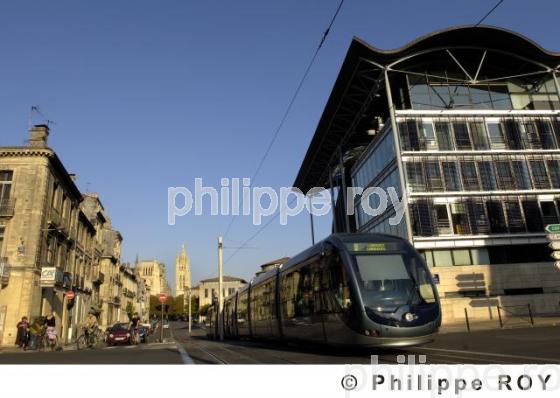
(409, 317)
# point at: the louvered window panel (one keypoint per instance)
(521, 174)
(496, 217)
(470, 178)
(540, 176)
(443, 134)
(409, 135)
(462, 138)
(513, 138)
(514, 217)
(422, 218)
(549, 213)
(460, 219)
(479, 136)
(487, 175)
(530, 136)
(554, 169)
(451, 176)
(442, 220)
(546, 134)
(415, 177)
(532, 216)
(477, 217)
(505, 177)
(433, 176)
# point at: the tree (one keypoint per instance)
(129, 310)
(204, 309)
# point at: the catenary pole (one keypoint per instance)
(220, 287)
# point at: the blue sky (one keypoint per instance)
(151, 94)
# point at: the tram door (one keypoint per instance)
(334, 299)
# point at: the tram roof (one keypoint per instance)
(356, 80)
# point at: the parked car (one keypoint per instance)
(118, 334)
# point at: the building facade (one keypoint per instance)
(53, 240)
(153, 273)
(47, 245)
(207, 289)
(464, 126)
(182, 273)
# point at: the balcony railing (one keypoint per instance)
(7, 207)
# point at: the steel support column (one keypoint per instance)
(400, 165)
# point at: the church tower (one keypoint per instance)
(182, 272)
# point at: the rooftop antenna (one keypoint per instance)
(36, 111)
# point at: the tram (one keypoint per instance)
(370, 290)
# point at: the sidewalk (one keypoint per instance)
(14, 349)
(508, 323)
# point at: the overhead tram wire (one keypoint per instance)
(489, 12)
(290, 105)
(257, 233)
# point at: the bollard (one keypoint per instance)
(500, 317)
(467, 320)
(531, 314)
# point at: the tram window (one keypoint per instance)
(381, 267)
(391, 280)
(304, 301)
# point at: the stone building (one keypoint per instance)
(208, 288)
(182, 272)
(46, 244)
(143, 295)
(153, 273)
(53, 239)
(110, 267)
(128, 293)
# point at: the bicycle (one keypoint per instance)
(44, 341)
(135, 336)
(90, 340)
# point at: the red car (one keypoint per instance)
(118, 334)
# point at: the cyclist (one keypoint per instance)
(90, 326)
(133, 327)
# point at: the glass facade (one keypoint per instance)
(378, 168)
(445, 90)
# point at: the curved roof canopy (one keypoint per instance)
(359, 91)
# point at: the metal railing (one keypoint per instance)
(522, 312)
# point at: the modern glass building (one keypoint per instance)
(466, 123)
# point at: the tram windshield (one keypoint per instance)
(390, 280)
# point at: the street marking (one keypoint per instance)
(187, 360)
(549, 360)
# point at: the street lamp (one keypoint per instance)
(187, 296)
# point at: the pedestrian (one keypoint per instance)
(50, 324)
(22, 337)
(35, 333)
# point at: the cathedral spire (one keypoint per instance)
(182, 271)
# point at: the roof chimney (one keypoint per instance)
(38, 136)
